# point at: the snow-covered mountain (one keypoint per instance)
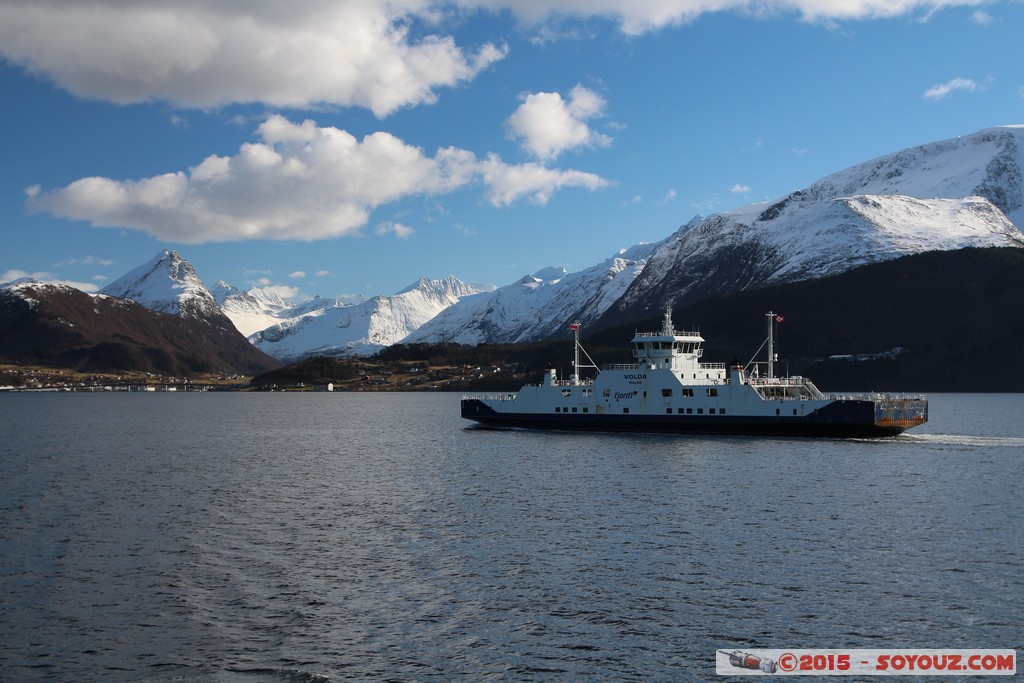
(258, 308)
(957, 193)
(166, 284)
(251, 310)
(538, 306)
(60, 326)
(345, 329)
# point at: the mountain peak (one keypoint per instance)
(166, 283)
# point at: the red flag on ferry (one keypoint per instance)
(574, 326)
(779, 318)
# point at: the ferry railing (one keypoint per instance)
(675, 333)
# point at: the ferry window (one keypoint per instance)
(566, 392)
(625, 410)
(712, 392)
(687, 393)
(607, 393)
(666, 392)
(557, 409)
(794, 411)
(721, 411)
(586, 409)
(776, 411)
(574, 410)
(689, 411)
(587, 393)
(668, 410)
(645, 394)
(712, 411)
(680, 411)
(700, 411)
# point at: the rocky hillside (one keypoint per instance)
(59, 326)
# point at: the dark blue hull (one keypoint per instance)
(846, 418)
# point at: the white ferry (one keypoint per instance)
(669, 389)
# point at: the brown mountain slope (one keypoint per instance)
(61, 326)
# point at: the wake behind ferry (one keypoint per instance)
(668, 389)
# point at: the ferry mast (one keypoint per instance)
(577, 347)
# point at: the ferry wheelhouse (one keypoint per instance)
(669, 389)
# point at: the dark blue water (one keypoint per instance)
(274, 537)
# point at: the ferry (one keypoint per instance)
(669, 389)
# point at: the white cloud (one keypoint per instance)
(284, 291)
(202, 54)
(197, 53)
(506, 184)
(940, 90)
(322, 273)
(739, 189)
(669, 196)
(635, 18)
(397, 229)
(982, 18)
(48, 278)
(298, 274)
(16, 274)
(85, 261)
(298, 181)
(548, 125)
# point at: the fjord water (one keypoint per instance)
(290, 537)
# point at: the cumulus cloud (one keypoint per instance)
(635, 18)
(286, 292)
(397, 229)
(548, 125)
(739, 189)
(940, 90)
(982, 18)
(298, 274)
(506, 183)
(49, 278)
(297, 181)
(201, 53)
(85, 261)
(382, 55)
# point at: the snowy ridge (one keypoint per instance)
(26, 288)
(167, 284)
(251, 310)
(538, 306)
(936, 197)
(364, 328)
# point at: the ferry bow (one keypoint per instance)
(669, 389)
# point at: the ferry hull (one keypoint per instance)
(841, 418)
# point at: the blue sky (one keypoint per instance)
(326, 147)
